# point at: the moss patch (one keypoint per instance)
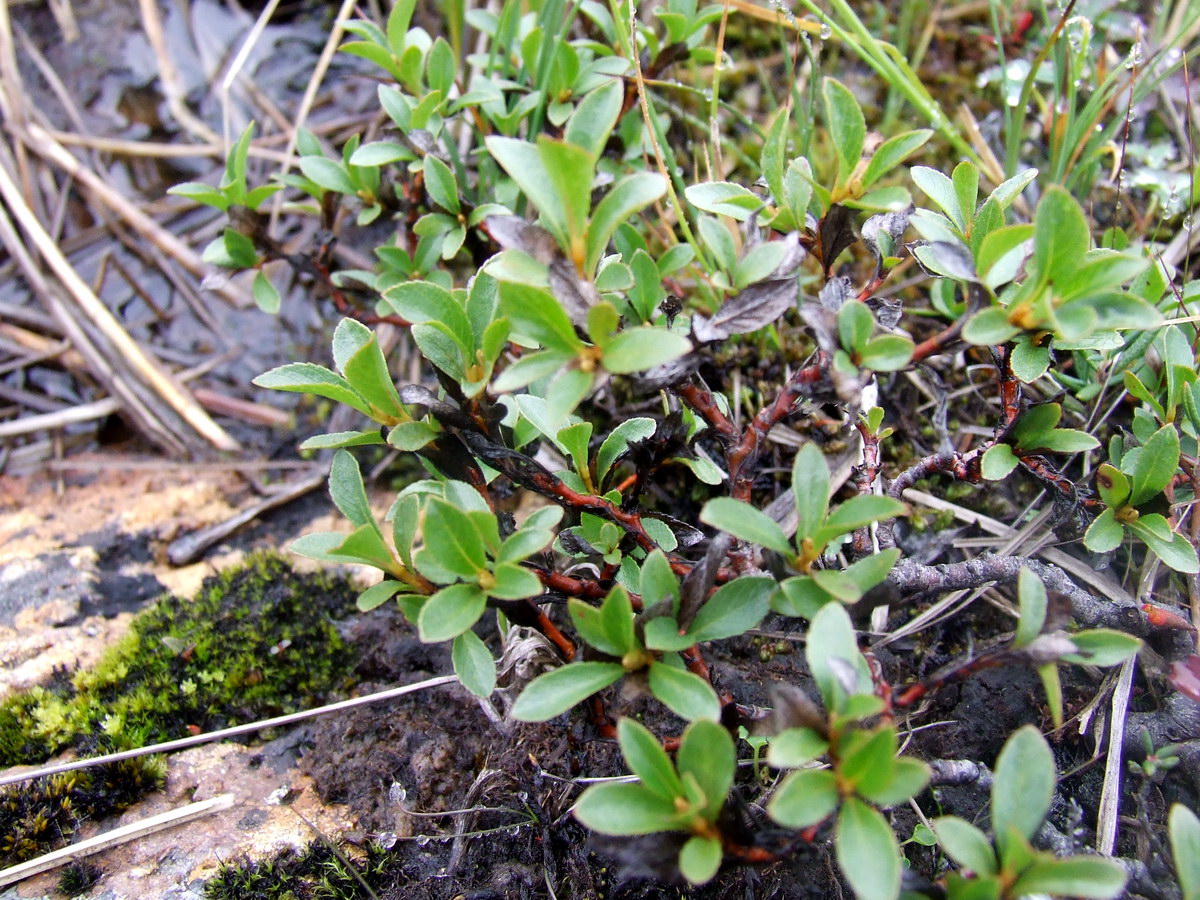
(316, 872)
(257, 640)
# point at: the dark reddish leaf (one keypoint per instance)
(834, 234)
(1185, 676)
(758, 305)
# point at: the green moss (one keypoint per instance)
(256, 641)
(315, 873)
(77, 877)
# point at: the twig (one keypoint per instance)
(84, 412)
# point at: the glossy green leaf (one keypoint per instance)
(560, 689)
(863, 510)
(609, 627)
(855, 325)
(473, 664)
(378, 594)
(347, 490)
(618, 440)
(801, 597)
(1060, 235)
(830, 637)
(1176, 551)
(940, 190)
(513, 582)
(441, 184)
(535, 313)
(886, 353)
(410, 436)
(327, 173)
(1029, 362)
(871, 570)
(867, 852)
(337, 439)
(908, 778)
(745, 522)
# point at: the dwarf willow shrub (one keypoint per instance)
(554, 249)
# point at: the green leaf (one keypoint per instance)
(473, 664)
(811, 487)
(867, 852)
(867, 762)
(558, 690)
(1029, 362)
(535, 313)
(684, 693)
(892, 152)
(847, 127)
(1102, 647)
(450, 612)
(618, 441)
(441, 184)
(1007, 192)
(266, 295)
(526, 541)
(380, 153)
(311, 378)
(423, 302)
(745, 522)
(966, 188)
(700, 859)
(795, 747)
(1032, 598)
(998, 462)
(610, 627)
(643, 347)
(513, 582)
(570, 172)
(965, 844)
(664, 633)
(1185, 847)
(871, 570)
(201, 193)
(990, 326)
(1177, 552)
(453, 548)
(1066, 440)
(1105, 533)
(527, 167)
(1052, 684)
(908, 778)
(1061, 236)
(658, 581)
(863, 510)
(1001, 253)
(367, 370)
(629, 196)
(647, 760)
(347, 490)
(328, 174)
(855, 324)
(724, 198)
(1156, 465)
(707, 754)
(886, 353)
(1023, 785)
(830, 637)
(733, 609)
(940, 190)
(594, 118)
(378, 594)
(1078, 876)
(804, 798)
(410, 436)
(624, 809)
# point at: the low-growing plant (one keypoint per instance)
(583, 295)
